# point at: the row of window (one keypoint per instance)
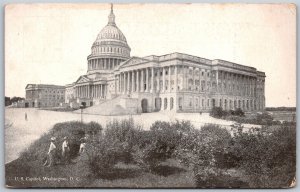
(109, 50)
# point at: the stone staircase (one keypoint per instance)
(114, 106)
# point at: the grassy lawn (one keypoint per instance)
(77, 174)
(168, 174)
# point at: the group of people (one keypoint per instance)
(52, 154)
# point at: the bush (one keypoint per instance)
(116, 145)
(239, 112)
(103, 155)
(74, 130)
(203, 150)
(126, 133)
(268, 159)
(218, 112)
(160, 142)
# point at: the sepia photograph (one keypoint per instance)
(110, 95)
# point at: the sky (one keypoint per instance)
(49, 43)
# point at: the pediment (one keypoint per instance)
(82, 79)
(133, 61)
(28, 86)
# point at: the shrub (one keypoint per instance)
(160, 142)
(126, 133)
(218, 112)
(239, 112)
(103, 155)
(74, 130)
(116, 145)
(268, 159)
(203, 151)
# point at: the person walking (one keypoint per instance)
(82, 145)
(65, 150)
(25, 116)
(51, 153)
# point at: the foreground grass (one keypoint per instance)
(170, 174)
(77, 174)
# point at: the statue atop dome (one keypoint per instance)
(111, 17)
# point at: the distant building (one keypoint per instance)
(41, 95)
(176, 81)
(7, 101)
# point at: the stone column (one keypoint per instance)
(164, 85)
(194, 83)
(132, 81)
(186, 78)
(101, 90)
(142, 80)
(147, 80)
(217, 76)
(119, 86)
(175, 80)
(138, 81)
(128, 83)
(88, 88)
(158, 80)
(152, 80)
(95, 91)
(115, 84)
(124, 83)
(169, 86)
(84, 91)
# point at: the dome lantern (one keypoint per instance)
(111, 17)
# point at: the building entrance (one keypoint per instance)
(144, 105)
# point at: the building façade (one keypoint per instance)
(176, 81)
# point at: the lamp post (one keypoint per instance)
(81, 110)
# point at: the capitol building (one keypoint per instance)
(172, 82)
